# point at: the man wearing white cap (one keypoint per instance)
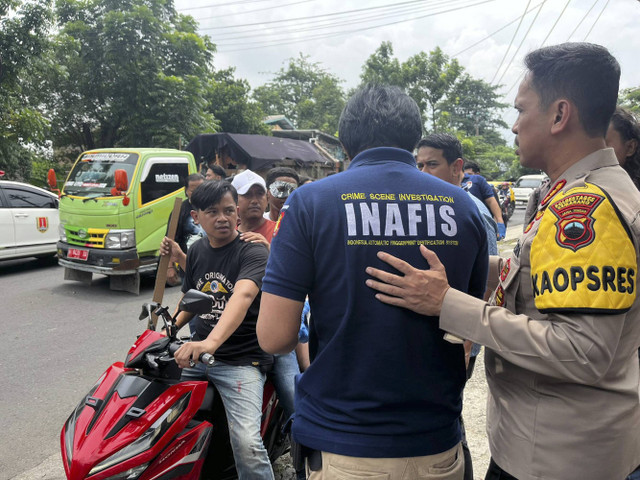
(254, 228)
(252, 202)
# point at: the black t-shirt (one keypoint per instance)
(215, 271)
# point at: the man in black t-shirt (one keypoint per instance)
(231, 271)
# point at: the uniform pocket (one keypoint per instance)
(449, 468)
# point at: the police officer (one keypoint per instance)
(561, 354)
(383, 392)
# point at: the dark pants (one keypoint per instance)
(496, 473)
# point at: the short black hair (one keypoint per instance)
(379, 116)
(281, 172)
(217, 169)
(211, 192)
(194, 177)
(470, 164)
(584, 73)
(450, 145)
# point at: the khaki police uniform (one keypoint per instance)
(562, 332)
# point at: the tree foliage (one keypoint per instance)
(429, 77)
(24, 42)
(381, 68)
(229, 101)
(305, 93)
(630, 98)
(131, 73)
(472, 106)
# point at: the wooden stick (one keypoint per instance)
(163, 264)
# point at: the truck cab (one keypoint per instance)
(114, 209)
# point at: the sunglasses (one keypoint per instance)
(281, 189)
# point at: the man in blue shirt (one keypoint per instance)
(478, 186)
(383, 392)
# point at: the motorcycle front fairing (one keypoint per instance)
(132, 426)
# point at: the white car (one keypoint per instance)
(29, 221)
(525, 186)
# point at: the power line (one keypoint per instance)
(216, 5)
(582, 20)
(521, 42)
(496, 32)
(351, 31)
(598, 18)
(314, 17)
(555, 23)
(244, 12)
(325, 24)
(542, 45)
(511, 42)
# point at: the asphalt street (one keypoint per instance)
(58, 337)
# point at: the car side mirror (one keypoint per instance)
(122, 182)
(196, 302)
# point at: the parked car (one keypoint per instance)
(28, 221)
(525, 186)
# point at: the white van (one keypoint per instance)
(525, 186)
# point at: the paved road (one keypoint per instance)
(58, 337)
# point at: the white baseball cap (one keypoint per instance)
(245, 180)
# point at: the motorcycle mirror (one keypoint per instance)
(197, 302)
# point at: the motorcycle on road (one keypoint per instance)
(139, 421)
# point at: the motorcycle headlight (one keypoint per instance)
(147, 440)
(62, 232)
(130, 474)
(117, 239)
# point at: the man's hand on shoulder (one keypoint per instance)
(254, 237)
(421, 291)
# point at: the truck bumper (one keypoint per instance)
(106, 262)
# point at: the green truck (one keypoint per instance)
(114, 209)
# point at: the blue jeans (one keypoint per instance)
(283, 375)
(240, 388)
(635, 475)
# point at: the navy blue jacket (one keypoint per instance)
(382, 382)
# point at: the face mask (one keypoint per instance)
(281, 189)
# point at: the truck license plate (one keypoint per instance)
(78, 253)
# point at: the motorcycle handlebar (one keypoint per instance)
(205, 358)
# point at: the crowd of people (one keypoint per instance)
(397, 259)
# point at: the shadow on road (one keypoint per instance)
(21, 265)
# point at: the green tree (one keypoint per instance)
(428, 79)
(630, 98)
(305, 93)
(131, 73)
(473, 107)
(228, 99)
(382, 68)
(24, 43)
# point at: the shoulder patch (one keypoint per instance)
(279, 221)
(582, 257)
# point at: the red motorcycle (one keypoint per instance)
(139, 421)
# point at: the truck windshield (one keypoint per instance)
(94, 173)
